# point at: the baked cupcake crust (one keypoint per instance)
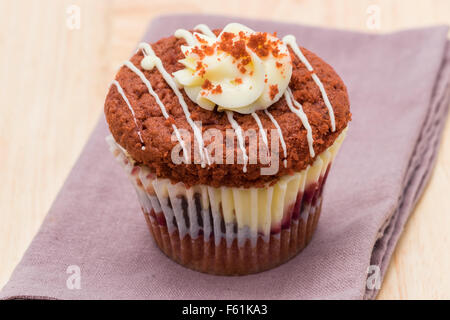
(156, 131)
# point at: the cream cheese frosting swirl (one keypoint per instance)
(239, 70)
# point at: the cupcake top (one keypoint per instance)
(230, 107)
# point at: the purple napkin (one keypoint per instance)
(94, 243)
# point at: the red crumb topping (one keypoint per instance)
(258, 43)
(238, 80)
(198, 52)
(199, 39)
(208, 50)
(273, 91)
(217, 90)
(276, 52)
(207, 85)
(236, 46)
(278, 64)
(200, 68)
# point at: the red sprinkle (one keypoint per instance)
(217, 90)
(207, 85)
(273, 91)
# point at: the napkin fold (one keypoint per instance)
(94, 243)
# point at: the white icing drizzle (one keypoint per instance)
(148, 51)
(186, 35)
(148, 63)
(240, 137)
(124, 97)
(261, 128)
(290, 40)
(208, 159)
(299, 112)
(189, 38)
(138, 72)
(147, 83)
(203, 28)
(280, 133)
(325, 98)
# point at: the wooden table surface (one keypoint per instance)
(53, 81)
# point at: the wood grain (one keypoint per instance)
(53, 81)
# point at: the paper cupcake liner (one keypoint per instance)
(231, 231)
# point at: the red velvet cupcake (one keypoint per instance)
(228, 137)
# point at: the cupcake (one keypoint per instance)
(228, 137)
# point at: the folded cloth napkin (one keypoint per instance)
(94, 242)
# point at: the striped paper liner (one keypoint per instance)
(227, 230)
